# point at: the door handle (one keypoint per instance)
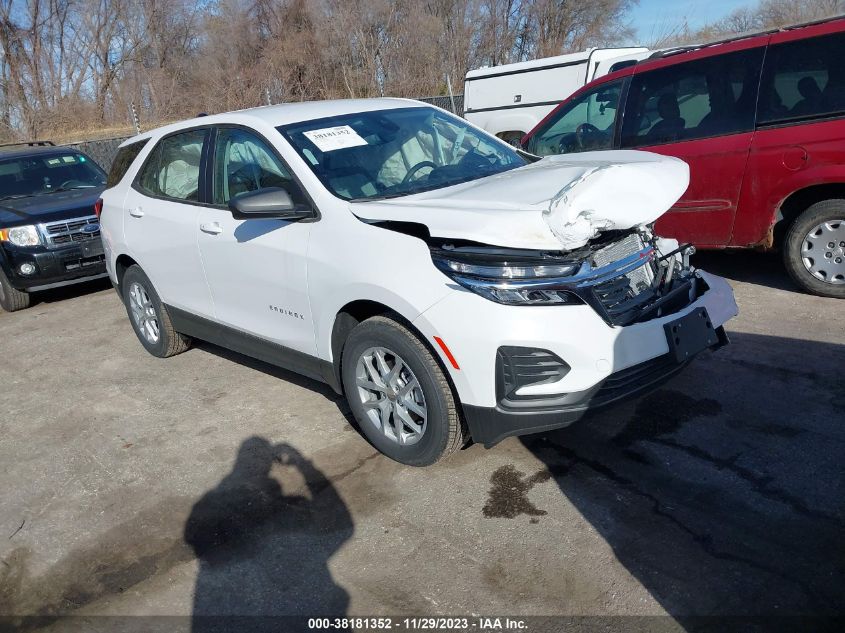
(212, 228)
(137, 212)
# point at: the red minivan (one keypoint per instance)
(761, 122)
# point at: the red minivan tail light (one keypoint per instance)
(98, 207)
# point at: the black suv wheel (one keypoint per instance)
(12, 299)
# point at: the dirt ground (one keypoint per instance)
(210, 483)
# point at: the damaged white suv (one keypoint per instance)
(450, 286)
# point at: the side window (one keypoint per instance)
(587, 123)
(692, 100)
(803, 80)
(125, 157)
(243, 162)
(172, 169)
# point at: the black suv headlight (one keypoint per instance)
(21, 236)
(512, 284)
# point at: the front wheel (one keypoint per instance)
(814, 249)
(12, 299)
(399, 394)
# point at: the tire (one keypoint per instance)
(423, 444)
(155, 330)
(815, 266)
(12, 299)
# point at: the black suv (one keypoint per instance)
(49, 230)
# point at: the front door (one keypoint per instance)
(256, 269)
(701, 111)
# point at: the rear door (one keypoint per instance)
(162, 209)
(800, 125)
(701, 111)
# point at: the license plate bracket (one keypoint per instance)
(92, 248)
(691, 334)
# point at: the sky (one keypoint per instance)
(652, 17)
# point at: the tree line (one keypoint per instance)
(83, 65)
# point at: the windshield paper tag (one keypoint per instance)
(332, 138)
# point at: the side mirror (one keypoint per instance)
(270, 203)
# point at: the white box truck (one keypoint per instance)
(510, 100)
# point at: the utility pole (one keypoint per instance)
(135, 121)
(451, 95)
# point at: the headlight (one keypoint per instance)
(520, 284)
(21, 236)
(506, 271)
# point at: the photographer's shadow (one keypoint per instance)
(264, 553)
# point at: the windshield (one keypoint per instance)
(389, 153)
(48, 173)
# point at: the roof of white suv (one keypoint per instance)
(283, 114)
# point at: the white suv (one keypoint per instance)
(449, 285)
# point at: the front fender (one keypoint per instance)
(355, 261)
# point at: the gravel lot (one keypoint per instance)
(723, 493)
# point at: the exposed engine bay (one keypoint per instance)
(628, 276)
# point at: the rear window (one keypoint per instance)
(125, 157)
(172, 169)
(803, 80)
(692, 100)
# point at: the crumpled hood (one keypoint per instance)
(557, 203)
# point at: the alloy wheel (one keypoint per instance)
(392, 396)
(144, 313)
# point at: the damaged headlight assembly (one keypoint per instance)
(513, 284)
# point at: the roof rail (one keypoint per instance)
(676, 50)
(29, 144)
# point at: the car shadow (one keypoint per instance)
(722, 493)
(761, 269)
(263, 538)
(63, 293)
(282, 374)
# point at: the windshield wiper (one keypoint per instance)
(63, 189)
(18, 195)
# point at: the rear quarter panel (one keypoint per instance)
(784, 160)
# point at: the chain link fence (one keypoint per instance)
(104, 151)
(446, 103)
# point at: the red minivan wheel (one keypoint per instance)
(814, 249)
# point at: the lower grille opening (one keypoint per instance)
(518, 367)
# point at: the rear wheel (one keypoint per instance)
(398, 393)
(814, 249)
(12, 299)
(149, 316)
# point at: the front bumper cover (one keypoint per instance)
(53, 267)
(490, 425)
